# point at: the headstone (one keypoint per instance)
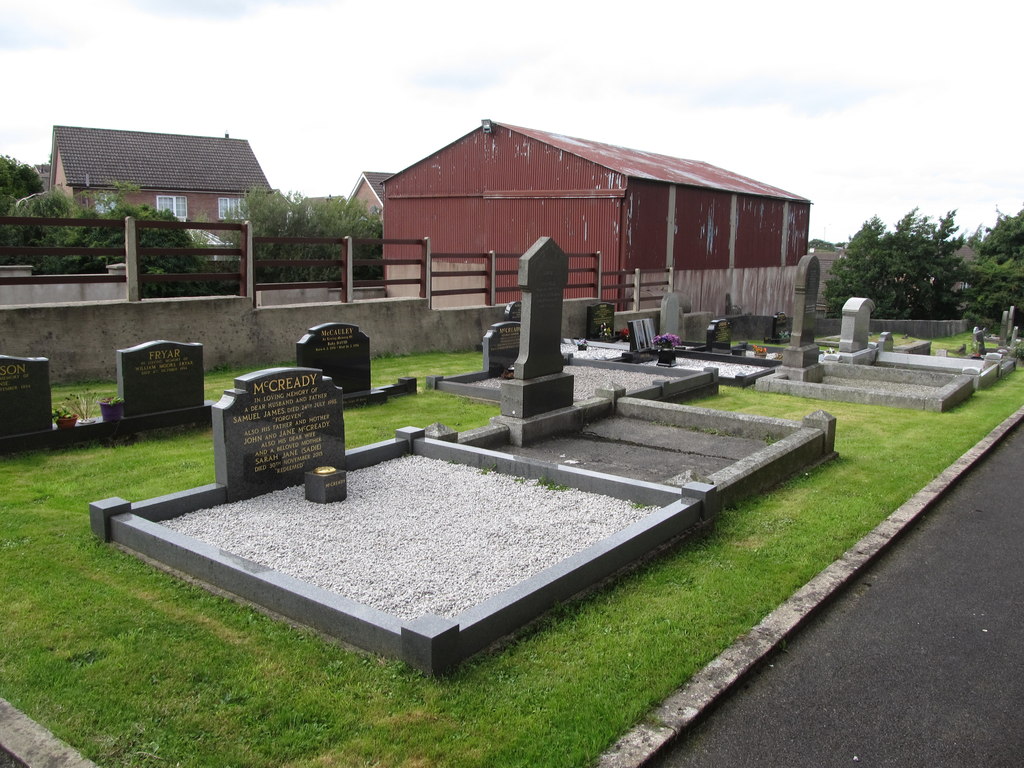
(540, 386)
(160, 376)
(885, 341)
(25, 395)
(514, 312)
(780, 327)
(1004, 328)
(641, 334)
(341, 351)
(669, 320)
(719, 334)
(274, 427)
(802, 352)
(854, 332)
(600, 320)
(501, 347)
(979, 340)
(543, 272)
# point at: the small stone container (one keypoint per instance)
(325, 485)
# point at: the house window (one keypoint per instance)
(176, 204)
(229, 207)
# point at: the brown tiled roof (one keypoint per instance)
(100, 157)
(376, 181)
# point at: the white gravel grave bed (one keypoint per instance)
(415, 535)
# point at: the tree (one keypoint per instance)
(273, 214)
(996, 278)
(910, 273)
(17, 180)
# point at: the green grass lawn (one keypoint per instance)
(136, 668)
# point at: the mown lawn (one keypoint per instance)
(134, 667)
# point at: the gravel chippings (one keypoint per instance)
(415, 535)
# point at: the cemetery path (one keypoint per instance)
(918, 662)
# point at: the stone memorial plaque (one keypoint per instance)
(274, 427)
(341, 351)
(160, 376)
(543, 272)
(25, 395)
(641, 334)
(514, 312)
(719, 334)
(600, 320)
(501, 347)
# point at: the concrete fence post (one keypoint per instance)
(350, 253)
(247, 262)
(636, 290)
(599, 277)
(427, 281)
(131, 260)
(492, 298)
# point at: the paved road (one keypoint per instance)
(919, 663)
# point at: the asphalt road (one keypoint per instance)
(920, 662)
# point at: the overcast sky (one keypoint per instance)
(866, 108)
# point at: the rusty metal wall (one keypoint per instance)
(645, 210)
(702, 228)
(759, 224)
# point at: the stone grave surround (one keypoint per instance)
(275, 426)
(25, 399)
(341, 351)
(160, 376)
(540, 385)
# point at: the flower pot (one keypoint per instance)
(67, 422)
(667, 358)
(112, 411)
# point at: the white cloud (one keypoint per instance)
(871, 108)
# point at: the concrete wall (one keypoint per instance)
(921, 329)
(81, 339)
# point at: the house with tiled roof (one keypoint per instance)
(198, 178)
(370, 189)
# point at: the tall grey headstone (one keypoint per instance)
(543, 272)
(24, 395)
(539, 385)
(669, 320)
(275, 426)
(802, 352)
(160, 376)
(855, 330)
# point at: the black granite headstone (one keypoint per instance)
(25, 395)
(274, 427)
(780, 327)
(514, 311)
(641, 334)
(719, 334)
(160, 376)
(600, 320)
(501, 347)
(341, 351)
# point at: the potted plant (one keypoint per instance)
(112, 408)
(82, 405)
(666, 343)
(760, 351)
(581, 344)
(64, 417)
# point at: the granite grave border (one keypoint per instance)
(431, 644)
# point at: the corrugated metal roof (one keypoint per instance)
(100, 157)
(649, 165)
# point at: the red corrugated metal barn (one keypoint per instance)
(501, 187)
